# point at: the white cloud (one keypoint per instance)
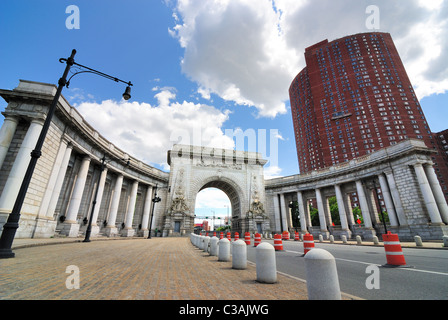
(248, 51)
(148, 132)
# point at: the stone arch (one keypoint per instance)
(238, 174)
(229, 187)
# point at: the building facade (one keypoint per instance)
(354, 98)
(60, 199)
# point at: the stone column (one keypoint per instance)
(402, 220)
(70, 225)
(428, 196)
(388, 201)
(363, 204)
(59, 181)
(277, 213)
(341, 209)
(43, 210)
(128, 231)
(95, 228)
(437, 192)
(17, 173)
(6, 134)
(146, 212)
(284, 218)
(303, 223)
(321, 210)
(111, 229)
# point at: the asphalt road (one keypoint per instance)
(426, 278)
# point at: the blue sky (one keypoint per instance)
(213, 65)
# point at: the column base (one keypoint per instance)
(110, 231)
(70, 229)
(143, 233)
(127, 232)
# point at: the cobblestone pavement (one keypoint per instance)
(159, 269)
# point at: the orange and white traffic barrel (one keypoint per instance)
(214, 233)
(278, 243)
(247, 238)
(257, 239)
(237, 236)
(392, 246)
(285, 235)
(296, 236)
(228, 236)
(221, 235)
(308, 243)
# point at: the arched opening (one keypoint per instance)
(213, 210)
(233, 196)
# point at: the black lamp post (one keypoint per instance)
(11, 225)
(154, 201)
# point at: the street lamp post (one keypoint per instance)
(12, 224)
(154, 201)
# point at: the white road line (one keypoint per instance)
(361, 262)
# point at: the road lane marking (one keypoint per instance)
(367, 263)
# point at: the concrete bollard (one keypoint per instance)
(358, 239)
(265, 263)
(239, 255)
(321, 275)
(375, 240)
(206, 243)
(344, 238)
(201, 242)
(214, 246)
(445, 241)
(224, 250)
(331, 238)
(418, 241)
(321, 238)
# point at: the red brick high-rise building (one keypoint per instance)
(353, 98)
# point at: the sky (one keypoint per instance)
(208, 72)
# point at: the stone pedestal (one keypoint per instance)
(127, 232)
(110, 231)
(70, 229)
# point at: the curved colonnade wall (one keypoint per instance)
(60, 196)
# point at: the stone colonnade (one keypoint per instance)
(399, 180)
(61, 193)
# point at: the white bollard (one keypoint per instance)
(214, 246)
(445, 241)
(418, 241)
(331, 238)
(375, 240)
(321, 238)
(224, 250)
(321, 276)
(206, 243)
(344, 238)
(239, 255)
(201, 242)
(265, 263)
(358, 239)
